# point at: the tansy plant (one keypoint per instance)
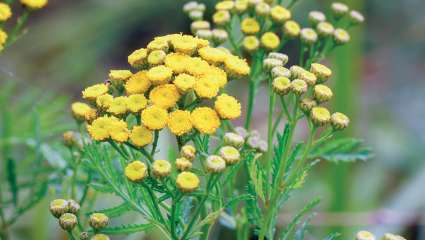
(9, 36)
(221, 172)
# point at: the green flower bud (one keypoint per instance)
(67, 221)
(98, 220)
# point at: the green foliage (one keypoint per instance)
(342, 150)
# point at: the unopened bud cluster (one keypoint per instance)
(65, 211)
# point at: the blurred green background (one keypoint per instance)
(379, 81)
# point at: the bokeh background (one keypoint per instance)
(380, 83)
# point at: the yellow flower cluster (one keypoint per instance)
(173, 76)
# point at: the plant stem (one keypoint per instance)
(18, 28)
(155, 142)
(269, 156)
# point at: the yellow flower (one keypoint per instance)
(230, 154)
(136, 102)
(299, 86)
(3, 38)
(221, 17)
(236, 66)
(138, 83)
(216, 75)
(82, 111)
(179, 122)
(320, 115)
(34, 4)
(5, 12)
(205, 88)
(212, 55)
(140, 136)
(365, 235)
(321, 71)
(270, 40)
(177, 62)
(215, 164)
(291, 29)
(197, 66)
(100, 236)
(308, 77)
(280, 14)
(184, 44)
(224, 5)
(159, 74)
(165, 96)
(183, 164)
(322, 93)
(184, 82)
(227, 107)
(250, 26)
(188, 152)
(205, 120)
(250, 43)
(138, 58)
(136, 171)
(339, 121)
(92, 92)
(281, 85)
(119, 76)
(161, 168)
(156, 57)
(118, 130)
(154, 117)
(187, 181)
(158, 44)
(118, 106)
(241, 6)
(341, 36)
(99, 128)
(104, 101)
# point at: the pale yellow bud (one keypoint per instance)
(281, 85)
(339, 121)
(322, 93)
(183, 164)
(98, 220)
(299, 86)
(215, 164)
(320, 116)
(230, 154)
(67, 221)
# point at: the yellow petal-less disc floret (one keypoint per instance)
(179, 122)
(140, 136)
(321, 71)
(100, 236)
(118, 76)
(138, 58)
(188, 152)
(197, 66)
(230, 154)
(339, 121)
(183, 164)
(136, 102)
(322, 93)
(34, 4)
(205, 120)
(158, 44)
(165, 96)
(92, 92)
(184, 82)
(156, 57)
(236, 67)
(270, 41)
(250, 26)
(104, 101)
(154, 117)
(177, 62)
(216, 75)
(280, 14)
(138, 83)
(118, 130)
(221, 18)
(215, 164)
(136, 171)
(159, 74)
(299, 86)
(184, 44)
(205, 88)
(99, 128)
(5, 12)
(320, 116)
(227, 107)
(118, 106)
(291, 29)
(224, 5)
(161, 168)
(212, 55)
(82, 111)
(250, 43)
(281, 85)
(187, 181)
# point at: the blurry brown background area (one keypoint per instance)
(73, 43)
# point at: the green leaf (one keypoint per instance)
(11, 179)
(332, 236)
(113, 211)
(299, 235)
(127, 229)
(101, 187)
(209, 219)
(342, 150)
(256, 177)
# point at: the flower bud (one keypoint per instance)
(341, 36)
(254, 133)
(221, 18)
(315, 17)
(339, 121)
(156, 57)
(299, 86)
(73, 206)
(251, 43)
(280, 14)
(270, 41)
(215, 164)
(241, 131)
(219, 35)
(308, 35)
(280, 71)
(230, 154)
(233, 139)
(67, 221)
(296, 71)
(291, 29)
(84, 236)
(188, 152)
(138, 58)
(161, 168)
(307, 104)
(196, 15)
(190, 6)
(100, 236)
(250, 26)
(204, 34)
(253, 142)
(365, 235)
(187, 182)
(98, 220)
(262, 9)
(262, 146)
(281, 85)
(356, 17)
(322, 93)
(320, 116)
(321, 71)
(270, 63)
(201, 7)
(389, 236)
(136, 171)
(253, 3)
(225, 5)
(58, 207)
(199, 25)
(69, 139)
(183, 164)
(283, 57)
(308, 77)
(339, 9)
(325, 29)
(241, 6)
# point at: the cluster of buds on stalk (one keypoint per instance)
(241, 137)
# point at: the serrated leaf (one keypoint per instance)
(256, 178)
(12, 179)
(127, 229)
(113, 211)
(342, 150)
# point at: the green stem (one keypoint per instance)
(155, 142)
(269, 156)
(18, 28)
